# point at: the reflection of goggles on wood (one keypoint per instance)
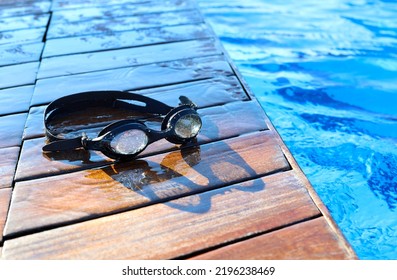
(126, 138)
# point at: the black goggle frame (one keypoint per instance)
(117, 99)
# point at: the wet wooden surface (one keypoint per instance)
(124, 39)
(132, 78)
(218, 123)
(5, 196)
(15, 100)
(110, 59)
(237, 193)
(9, 158)
(312, 237)
(18, 75)
(11, 129)
(20, 53)
(144, 181)
(177, 227)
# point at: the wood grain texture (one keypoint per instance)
(18, 74)
(5, 197)
(20, 8)
(34, 126)
(23, 22)
(124, 39)
(20, 53)
(9, 159)
(82, 63)
(22, 36)
(110, 25)
(205, 93)
(11, 129)
(15, 100)
(89, 193)
(199, 221)
(218, 123)
(119, 9)
(310, 240)
(132, 78)
(72, 4)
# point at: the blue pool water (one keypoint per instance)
(326, 74)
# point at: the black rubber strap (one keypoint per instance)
(64, 145)
(83, 100)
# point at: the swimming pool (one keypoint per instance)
(326, 74)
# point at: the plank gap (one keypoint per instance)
(46, 31)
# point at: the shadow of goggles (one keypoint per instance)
(123, 139)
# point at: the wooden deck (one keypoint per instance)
(237, 194)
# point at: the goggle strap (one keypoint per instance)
(116, 99)
(64, 145)
(152, 106)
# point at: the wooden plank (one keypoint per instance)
(58, 199)
(20, 53)
(132, 78)
(15, 100)
(23, 22)
(97, 61)
(67, 16)
(34, 126)
(5, 197)
(310, 240)
(124, 39)
(109, 25)
(218, 123)
(9, 159)
(18, 75)
(11, 129)
(22, 36)
(19, 8)
(6, 3)
(205, 93)
(72, 4)
(201, 221)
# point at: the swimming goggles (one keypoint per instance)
(127, 138)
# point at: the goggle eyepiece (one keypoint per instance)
(129, 142)
(188, 126)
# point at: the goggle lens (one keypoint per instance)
(129, 142)
(188, 126)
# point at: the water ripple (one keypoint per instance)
(325, 73)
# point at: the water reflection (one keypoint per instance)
(188, 171)
(78, 155)
(183, 173)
